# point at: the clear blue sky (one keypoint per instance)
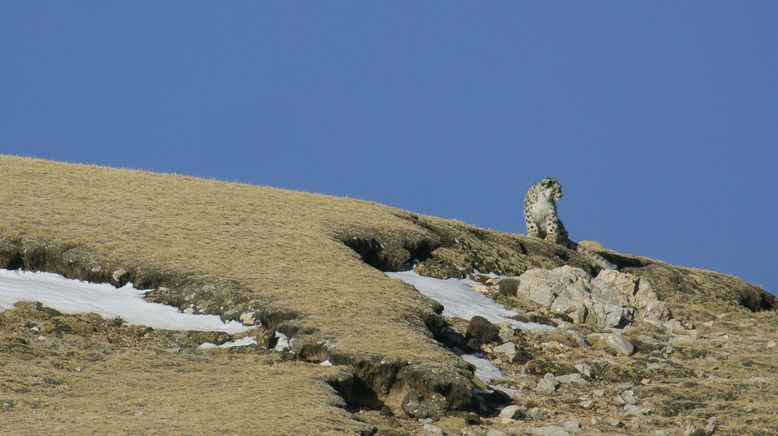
(660, 118)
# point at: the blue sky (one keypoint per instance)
(659, 118)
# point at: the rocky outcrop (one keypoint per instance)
(611, 299)
(480, 331)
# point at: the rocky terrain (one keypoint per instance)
(649, 349)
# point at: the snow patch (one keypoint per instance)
(460, 300)
(484, 369)
(283, 342)
(242, 342)
(490, 275)
(76, 296)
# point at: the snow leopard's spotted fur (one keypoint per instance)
(542, 220)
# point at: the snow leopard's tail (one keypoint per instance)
(596, 258)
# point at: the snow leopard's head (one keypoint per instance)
(552, 187)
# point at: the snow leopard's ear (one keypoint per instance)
(548, 181)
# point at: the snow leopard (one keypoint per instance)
(542, 220)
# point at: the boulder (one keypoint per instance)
(572, 379)
(584, 369)
(612, 299)
(512, 413)
(547, 385)
(417, 406)
(656, 310)
(508, 287)
(578, 338)
(620, 287)
(538, 414)
(507, 351)
(480, 331)
(573, 301)
(619, 344)
(543, 286)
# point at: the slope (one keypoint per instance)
(307, 265)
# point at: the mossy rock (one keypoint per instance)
(540, 366)
(509, 287)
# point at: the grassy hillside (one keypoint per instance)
(304, 264)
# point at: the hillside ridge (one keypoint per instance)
(307, 265)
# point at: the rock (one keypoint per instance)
(628, 396)
(598, 393)
(572, 379)
(506, 351)
(550, 430)
(432, 430)
(547, 385)
(633, 410)
(616, 316)
(645, 295)
(417, 406)
(682, 340)
(656, 310)
(619, 344)
(616, 287)
(573, 301)
(572, 426)
(760, 380)
(247, 318)
(691, 430)
(771, 344)
(674, 326)
(538, 414)
(584, 369)
(612, 299)
(708, 324)
(494, 432)
(579, 338)
(508, 287)
(506, 332)
(659, 325)
(711, 425)
(481, 289)
(542, 286)
(512, 413)
(480, 331)
(118, 274)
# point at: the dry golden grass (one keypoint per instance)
(152, 392)
(286, 248)
(281, 244)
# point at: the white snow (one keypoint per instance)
(283, 342)
(326, 363)
(75, 296)
(484, 369)
(460, 300)
(490, 275)
(248, 340)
